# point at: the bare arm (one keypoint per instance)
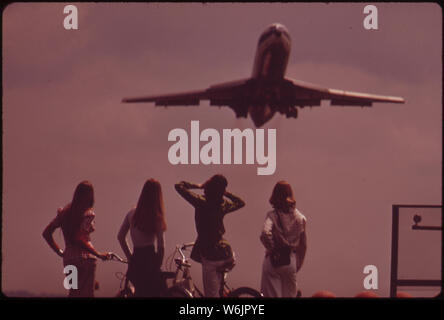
(183, 188)
(121, 236)
(48, 236)
(235, 202)
(160, 247)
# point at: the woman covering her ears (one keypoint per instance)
(210, 248)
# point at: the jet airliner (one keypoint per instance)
(268, 91)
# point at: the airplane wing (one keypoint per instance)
(225, 94)
(306, 94)
(240, 94)
(176, 99)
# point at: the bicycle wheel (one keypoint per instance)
(245, 292)
(178, 292)
(125, 293)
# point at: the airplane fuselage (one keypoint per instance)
(269, 68)
(272, 54)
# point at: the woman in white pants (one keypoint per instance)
(285, 241)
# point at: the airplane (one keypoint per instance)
(268, 91)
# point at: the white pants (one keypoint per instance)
(279, 282)
(211, 278)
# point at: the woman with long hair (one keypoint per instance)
(210, 248)
(285, 240)
(146, 224)
(76, 220)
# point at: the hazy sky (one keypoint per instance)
(63, 122)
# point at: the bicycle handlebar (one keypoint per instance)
(187, 245)
(182, 247)
(115, 257)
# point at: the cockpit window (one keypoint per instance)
(272, 30)
(265, 35)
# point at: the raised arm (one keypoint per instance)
(234, 202)
(49, 231)
(183, 188)
(121, 236)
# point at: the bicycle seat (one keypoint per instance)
(226, 267)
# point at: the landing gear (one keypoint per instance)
(241, 111)
(292, 112)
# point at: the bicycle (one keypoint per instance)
(183, 286)
(126, 289)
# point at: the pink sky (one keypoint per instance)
(63, 122)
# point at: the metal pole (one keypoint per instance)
(394, 264)
(427, 228)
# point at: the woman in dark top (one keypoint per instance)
(77, 222)
(210, 248)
